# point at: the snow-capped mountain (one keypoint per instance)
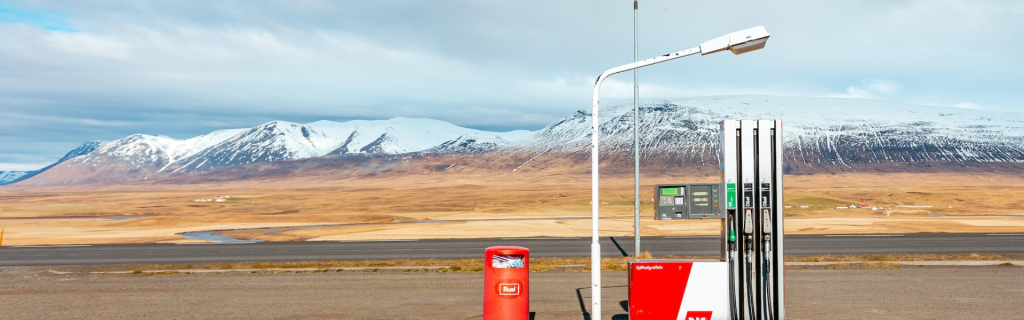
(147, 152)
(9, 177)
(818, 132)
(82, 150)
(820, 135)
(281, 140)
(476, 143)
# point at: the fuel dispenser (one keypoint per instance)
(752, 174)
(670, 202)
(750, 270)
(687, 201)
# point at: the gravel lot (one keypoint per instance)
(815, 293)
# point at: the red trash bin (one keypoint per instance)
(506, 283)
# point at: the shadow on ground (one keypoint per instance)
(583, 306)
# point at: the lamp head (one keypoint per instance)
(738, 42)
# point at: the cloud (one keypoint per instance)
(23, 166)
(87, 44)
(966, 105)
(107, 69)
(869, 90)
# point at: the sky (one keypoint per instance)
(76, 71)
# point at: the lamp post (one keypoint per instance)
(738, 42)
(636, 142)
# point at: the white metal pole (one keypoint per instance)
(595, 247)
(636, 139)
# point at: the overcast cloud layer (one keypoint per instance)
(73, 71)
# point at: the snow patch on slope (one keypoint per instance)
(818, 131)
(10, 176)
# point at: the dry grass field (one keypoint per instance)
(469, 206)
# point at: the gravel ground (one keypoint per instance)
(812, 293)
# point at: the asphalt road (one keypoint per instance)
(474, 248)
(904, 293)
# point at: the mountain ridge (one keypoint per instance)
(821, 135)
(11, 177)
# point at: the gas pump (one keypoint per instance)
(752, 167)
(747, 282)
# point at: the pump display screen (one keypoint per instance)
(669, 191)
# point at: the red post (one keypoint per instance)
(506, 283)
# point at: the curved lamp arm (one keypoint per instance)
(595, 247)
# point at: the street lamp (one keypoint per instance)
(738, 42)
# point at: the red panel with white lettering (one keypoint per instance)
(678, 289)
(508, 289)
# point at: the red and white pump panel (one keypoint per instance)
(678, 289)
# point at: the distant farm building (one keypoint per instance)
(217, 199)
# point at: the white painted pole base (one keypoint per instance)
(595, 281)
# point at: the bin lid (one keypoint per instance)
(507, 250)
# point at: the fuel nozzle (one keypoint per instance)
(731, 226)
(748, 221)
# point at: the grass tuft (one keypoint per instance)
(542, 264)
(907, 257)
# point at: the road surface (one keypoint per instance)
(474, 248)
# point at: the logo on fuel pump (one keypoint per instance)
(748, 195)
(698, 315)
(766, 193)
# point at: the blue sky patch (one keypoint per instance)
(47, 20)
